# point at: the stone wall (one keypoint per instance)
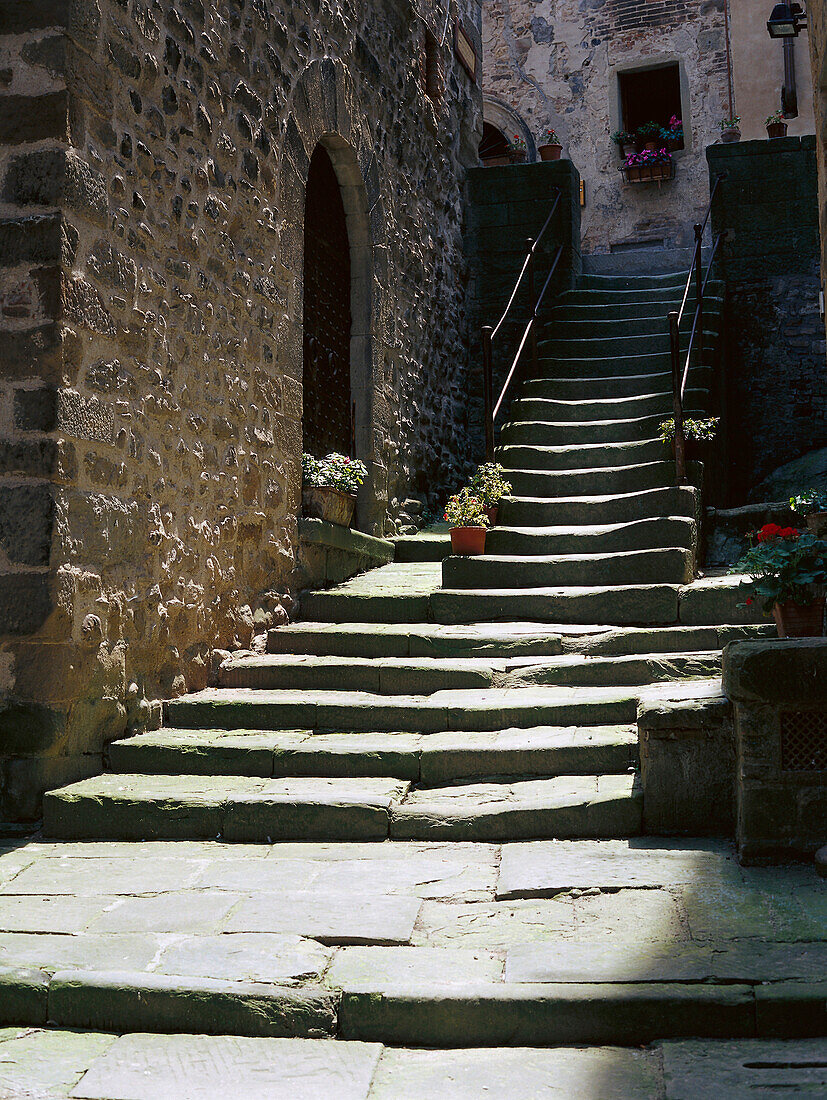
(817, 26)
(152, 176)
(556, 63)
(775, 385)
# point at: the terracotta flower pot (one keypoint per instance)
(817, 523)
(651, 146)
(496, 162)
(492, 512)
(628, 150)
(730, 134)
(777, 130)
(469, 541)
(795, 620)
(331, 505)
(550, 152)
(518, 157)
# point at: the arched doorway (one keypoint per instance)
(327, 417)
(494, 142)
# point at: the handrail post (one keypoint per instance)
(532, 303)
(680, 444)
(488, 391)
(699, 291)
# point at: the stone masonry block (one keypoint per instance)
(25, 602)
(32, 353)
(26, 519)
(35, 410)
(85, 418)
(26, 118)
(34, 239)
(36, 179)
(774, 671)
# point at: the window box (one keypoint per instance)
(649, 173)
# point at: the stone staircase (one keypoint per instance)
(486, 699)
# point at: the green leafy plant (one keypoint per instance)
(335, 471)
(775, 118)
(623, 137)
(784, 564)
(809, 502)
(517, 144)
(464, 509)
(489, 484)
(731, 123)
(702, 430)
(551, 138)
(649, 131)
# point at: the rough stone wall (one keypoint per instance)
(817, 27)
(775, 402)
(556, 63)
(152, 185)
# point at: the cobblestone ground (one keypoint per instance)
(373, 918)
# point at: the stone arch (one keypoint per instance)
(506, 119)
(323, 110)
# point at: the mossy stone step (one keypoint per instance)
(599, 347)
(584, 456)
(587, 482)
(616, 604)
(430, 759)
(561, 323)
(665, 565)
(619, 385)
(522, 430)
(550, 366)
(589, 510)
(555, 410)
(645, 534)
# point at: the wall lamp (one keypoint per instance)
(786, 21)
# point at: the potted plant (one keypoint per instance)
(650, 135)
(776, 126)
(673, 133)
(812, 503)
(329, 487)
(788, 570)
(695, 433)
(625, 142)
(648, 166)
(517, 151)
(489, 485)
(467, 517)
(731, 129)
(552, 147)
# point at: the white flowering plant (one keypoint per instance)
(334, 471)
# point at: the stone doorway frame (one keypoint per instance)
(324, 110)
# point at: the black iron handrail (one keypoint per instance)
(490, 331)
(680, 375)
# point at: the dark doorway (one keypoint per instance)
(650, 95)
(494, 142)
(327, 419)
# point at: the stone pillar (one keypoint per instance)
(779, 689)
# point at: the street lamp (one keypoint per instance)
(786, 21)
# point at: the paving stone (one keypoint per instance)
(45, 1064)
(366, 969)
(145, 1067)
(168, 912)
(23, 994)
(344, 918)
(544, 868)
(50, 913)
(493, 926)
(246, 957)
(50, 952)
(608, 962)
(592, 1074)
(743, 1070)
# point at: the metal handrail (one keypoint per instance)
(489, 331)
(680, 376)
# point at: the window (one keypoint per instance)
(431, 68)
(650, 95)
(494, 142)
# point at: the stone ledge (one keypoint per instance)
(318, 532)
(792, 670)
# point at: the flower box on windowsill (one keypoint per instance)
(649, 173)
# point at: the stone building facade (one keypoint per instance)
(153, 165)
(571, 65)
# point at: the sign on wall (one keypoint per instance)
(466, 52)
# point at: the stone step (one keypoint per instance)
(555, 410)
(665, 565)
(549, 366)
(544, 433)
(616, 479)
(632, 670)
(613, 385)
(608, 297)
(569, 307)
(431, 759)
(619, 605)
(425, 546)
(562, 324)
(585, 456)
(500, 640)
(598, 347)
(433, 640)
(674, 500)
(251, 808)
(355, 711)
(671, 279)
(644, 534)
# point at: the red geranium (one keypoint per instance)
(771, 531)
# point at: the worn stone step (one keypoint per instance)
(599, 347)
(671, 279)
(430, 759)
(354, 711)
(674, 500)
(629, 670)
(584, 456)
(616, 604)
(383, 675)
(584, 482)
(527, 427)
(665, 565)
(425, 546)
(354, 639)
(566, 806)
(570, 307)
(551, 367)
(613, 385)
(644, 534)
(652, 403)
(561, 323)
(177, 807)
(612, 641)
